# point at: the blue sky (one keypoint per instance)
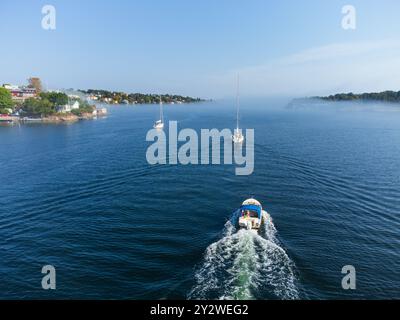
(196, 48)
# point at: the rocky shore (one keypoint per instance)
(60, 117)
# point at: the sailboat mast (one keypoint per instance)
(237, 103)
(161, 113)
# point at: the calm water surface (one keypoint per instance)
(82, 197)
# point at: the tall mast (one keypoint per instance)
(237, 103)
(161, 113)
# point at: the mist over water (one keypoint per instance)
(82, 197)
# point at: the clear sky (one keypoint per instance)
(196, 47)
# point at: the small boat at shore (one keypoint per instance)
(251, 215)
(5, 118)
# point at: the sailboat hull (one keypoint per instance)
(160, 123)
(237, 136)
(237, 139)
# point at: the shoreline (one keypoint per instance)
(58, 118)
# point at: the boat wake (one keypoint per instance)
(244, 265)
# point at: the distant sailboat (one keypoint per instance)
(237, 136)
(159, 124)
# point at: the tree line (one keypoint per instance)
(131, 98)
(386, 96)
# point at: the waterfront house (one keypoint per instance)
(20, 93)
(75, 105)
(64, 109)
(68, 107)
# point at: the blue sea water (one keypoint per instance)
(83, 198)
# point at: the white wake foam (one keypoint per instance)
(245, 265)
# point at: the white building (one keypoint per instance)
(73, 96)
(10, 86)
(64, 109)
(68, 107)
(75, 105)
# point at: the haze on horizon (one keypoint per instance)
(198, 48)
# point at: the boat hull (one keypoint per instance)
(159, 126)
(237, 138)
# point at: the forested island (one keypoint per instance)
(385, 96)
(46, 107)
(114, 97)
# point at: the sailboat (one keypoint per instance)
(159, 124)
(237, 136)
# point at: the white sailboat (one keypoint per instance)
(237, 136)
(159, 124)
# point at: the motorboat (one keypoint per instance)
(251, 215)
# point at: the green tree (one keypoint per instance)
(42, 107)
(5, 100)
(56, 98)
(84, 107)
